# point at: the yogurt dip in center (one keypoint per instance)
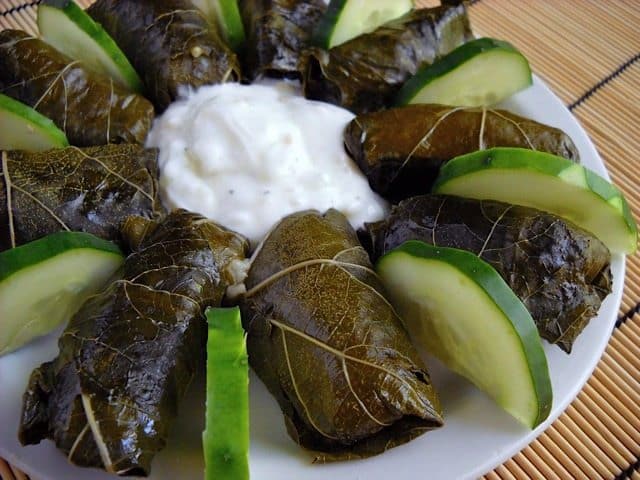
(248, 155)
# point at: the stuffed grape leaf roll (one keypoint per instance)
(91, 190)
(128, 355)
(329, 346)
(560, 272)
(401, 150)
(365, 73)
(89, 108)
(278, 33)
(170, 43)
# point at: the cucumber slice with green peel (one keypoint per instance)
(70, 30)
(43, 283)
(459, 309)
(225, 14)
(23, 128)
(545, 182)
(479, 73)
(226, 436)
(347, 19)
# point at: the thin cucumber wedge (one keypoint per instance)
(43, 283)
(479, 73)
(23, 128)
(545, 182)
(347, 19)
(69, 29)
(458, 308)
(226, 436)
(225, 14)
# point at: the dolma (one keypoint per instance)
(127, 357)
(90, 190)
(365, 73)
(89, 108)
(560, 272)
(402, 150)
(278, 33)
(170, 43)
(328, 345)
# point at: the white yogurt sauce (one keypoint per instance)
(246, 156)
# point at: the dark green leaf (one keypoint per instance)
(89, 190)
(401, 150)
(279, 31)
(90, 109)
(560, 273)
(329, 346)
(127, 357)
(365, 73)
(169, 43)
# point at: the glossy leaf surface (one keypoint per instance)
(170, 43)
(89, 190)
(329, 346)
(88, 108)
(401, 150)
(364, 74)
(127, 357)
(560, 273)
(278, 32)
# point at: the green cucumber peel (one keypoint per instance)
(524, 160)
(226, 435)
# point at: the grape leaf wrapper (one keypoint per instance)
(402, 150)
(279, 32)
(127, 357)
(170, 43)
(365, 73)
(560, 272)
(90, 109)
(329, 346)
(90, 190)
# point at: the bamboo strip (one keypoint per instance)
(566, 439)
(614, 408)
(546, 470)
(492, 476)
(557, 450)
(529, 468)
(609, 430)
(541, 454)
(5, 471)
(504, 473)
(608, 452)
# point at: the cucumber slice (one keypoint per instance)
(479, 73)
(460, 310)
(23, 128)
(226, 436)
(43, 283)
(545, 182)
(69, 29)
(347, 19)
(225, 14)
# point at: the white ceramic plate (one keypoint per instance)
(477, 437)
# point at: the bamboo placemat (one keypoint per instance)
(588, 52)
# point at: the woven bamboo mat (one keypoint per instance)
(588, 52)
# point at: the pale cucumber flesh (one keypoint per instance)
(37, 299)
(560, 196)
(347, 19)
(74, 33)
(466, 327)
(22, 128)
(484, 80)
